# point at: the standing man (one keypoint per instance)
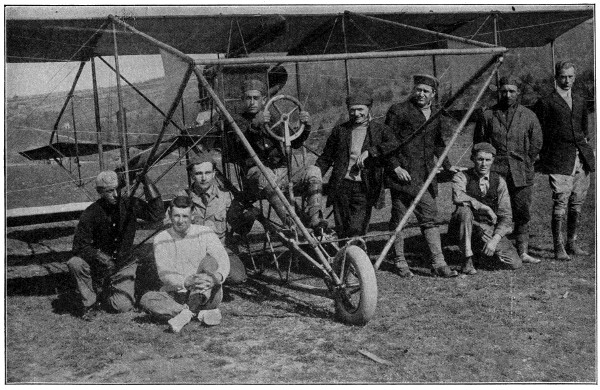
(515, 133)
(192, 265)
(357, 150)
(483, 214)
(420, 144)
(566, 156)
(102, 258)
(271, 152)
(211, 206)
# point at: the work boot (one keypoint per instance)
(468, 268)
(314, 207)
(438, 263)
(522, 247)
(557, 237)
(401, 268)
(210, 317)
(572, 225)
(180, 320)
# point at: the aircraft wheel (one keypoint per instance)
(355, 303)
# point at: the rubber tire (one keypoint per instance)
(361, 314)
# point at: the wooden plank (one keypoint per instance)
(44, 214)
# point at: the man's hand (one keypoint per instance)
(199, 282)
(106, 261)
(490, 246)
(493, 217)
(360, 161)
(304, 117)
(402, 174)
(263, 117)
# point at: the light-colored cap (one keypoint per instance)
(107, 179)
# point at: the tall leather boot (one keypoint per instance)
(557, 237)
(400, 264)
(438, 263)
(522, 247)
(572, 224)
(314, 208)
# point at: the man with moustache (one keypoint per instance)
(102, 260)
(357, 151)
(483, 214)
(420, 144)
(566, 156)
(516, 134)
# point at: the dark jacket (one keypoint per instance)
(517, 143)
(379, 141)
(565, 131)
(417, 156)
(101, 228)
(269, 150)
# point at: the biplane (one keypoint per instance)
(207, 52)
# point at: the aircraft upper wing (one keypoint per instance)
(48, 40)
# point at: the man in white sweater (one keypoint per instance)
(192, 264)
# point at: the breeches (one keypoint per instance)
(119, 295)
(425, 211)
(472, 236)
(351, 209)
(256, 182)
(569, 191)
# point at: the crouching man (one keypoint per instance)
(483, 213)
(103, 265)
(192, 265)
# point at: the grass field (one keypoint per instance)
(536, 324)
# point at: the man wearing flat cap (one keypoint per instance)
(212, 207)
(420, 143)
(483, 214)
(102, 263)
(515, 132)
(253, 122)
(567, 156)
(357, 151)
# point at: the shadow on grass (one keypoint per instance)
(260, 292)
(39, 285)
(44, 233)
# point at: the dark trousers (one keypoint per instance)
(351, 209)
(425, 211)
(520, 201)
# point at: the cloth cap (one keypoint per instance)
(483, 147)
(201, 158)
(254, 85)
(509, 80)
(360, 98)
(107, 179)
(427, 80)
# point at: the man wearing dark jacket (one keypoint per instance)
(412, 162)
(566, 156)
(357, 150)
(103, 241)
(253, 122)
(515, 133)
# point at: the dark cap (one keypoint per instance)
(359, 98)
(483, 147)
(509, 80)
(427, 80)
(254, 85)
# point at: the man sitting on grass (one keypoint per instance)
(192, 264)
(483, 214)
